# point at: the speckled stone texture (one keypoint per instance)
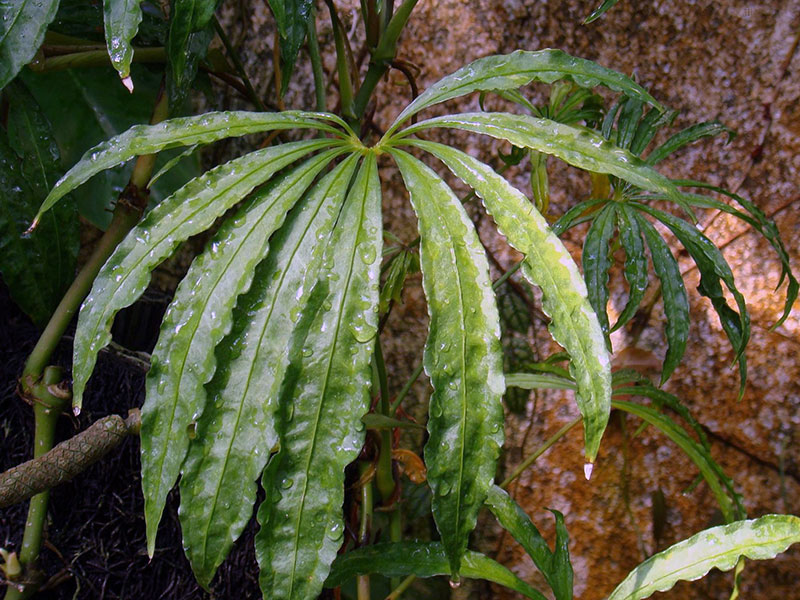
(731, 60)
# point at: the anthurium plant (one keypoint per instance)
(269, 355)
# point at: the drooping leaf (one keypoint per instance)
(555, 566)
(91, 107)
(512, 71)
(673, 294)
(718, 547)
(581, 148)
(22, 27)
(37, 268)
(548, 265)
(536, 381)
(713, 270)
(698, 454)
(462, 358)
(769, 230)
(636, 275)
(190, 33)
(688, 136)
(597, 262)
(404, 263)
(183, 361)
(292, 17)
(325, 395)
(188, 211)
(174, 133)
(423, 559)
(600, 11)
(121, 19)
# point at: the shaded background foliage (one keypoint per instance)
(690, 54)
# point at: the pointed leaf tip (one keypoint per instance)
(587, 470)
(128, 83)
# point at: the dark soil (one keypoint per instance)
(95, 537)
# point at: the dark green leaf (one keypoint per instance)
(512, 71)
(648, 127)
(187, 43)
(597, 262)
(555, 566)
(687, 136)
(423, 559)
(174, 133)
(462, 357)
(379, 421)
(22, 27)
(292, 18)
(600, 11)
(548, 265)
(121, 19)
(183, 361)
(326, 393)
(578, 213)
(713, 270)
(400, 266)
(628, 122)
(720, 547)
(635, 263)
(188, 211)
(673, 293)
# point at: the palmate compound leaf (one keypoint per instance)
(195, 322)
(462, 357)
(548, 265)
(23, 24)
(183, 131)
(719, 547)
(121, 20)
(325, 394)
(190, 210)
(423, 559)
(555, 566)
(512, 71)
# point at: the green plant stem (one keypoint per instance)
(48, 403)
(406, 388)
(342, 66)
(316, 61)
(237, 63)
(364, 528)
(384, 476)
(401, 587)
(96, 58)
(541, 450)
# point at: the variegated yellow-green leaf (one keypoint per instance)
(548, 265)
(325, 394)
(512, 71)
(196, 320)
(190, 210)
(462, 357)
(718, 547)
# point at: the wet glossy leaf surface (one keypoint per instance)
(22, 27)
(121, 19)
(462, 358)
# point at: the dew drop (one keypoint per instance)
(287, 483)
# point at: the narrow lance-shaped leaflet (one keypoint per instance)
(549, 266)
(325, 395)
(195, 322)
(237, 429)
(463, 358)
(121, 20)
(190, 210)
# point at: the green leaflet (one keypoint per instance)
(121, 19)
(190, 210)
(291, 17)
(597, 262)
(539, 381)
(600, 11)
(237, 430)
(687, 136)
(713, 269)
(581, 148)
(39, 269)
(694, 450)
(423, 559)
(187, 42)
(673, 293)
(579, 213)
(635, 264)
(325, 395)
(512, 71)
(555, 566)
(462, 358)
(22, 27)
(719, 547)
(548, 265)
(195, 322)
(183, 131)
